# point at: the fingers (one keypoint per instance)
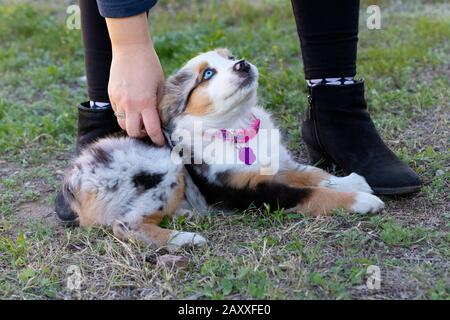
(133, 125)
(122, 124)
(153, 125)
(120, 121)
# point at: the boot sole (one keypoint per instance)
(396, 191)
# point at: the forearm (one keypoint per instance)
(129, 33)
(123, 8)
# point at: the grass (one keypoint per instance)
(260, 253)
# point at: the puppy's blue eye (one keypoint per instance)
(208, 74)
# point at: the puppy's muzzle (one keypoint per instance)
(242, 67)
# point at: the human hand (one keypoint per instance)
(136, 85)
(136, 80)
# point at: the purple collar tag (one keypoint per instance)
(247, 155)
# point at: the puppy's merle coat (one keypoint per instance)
(130, 185)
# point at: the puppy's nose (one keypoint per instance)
(242, 66)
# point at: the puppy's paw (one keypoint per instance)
(358, 183)
(180, 239)
(352, 182)
(366, 203)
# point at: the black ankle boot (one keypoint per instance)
(339, 133)
(92, 124)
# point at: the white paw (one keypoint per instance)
(181, 239)
(366, 203)
(352, 182)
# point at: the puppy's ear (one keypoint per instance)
(224, 52)
(176, 92)
(71, 186)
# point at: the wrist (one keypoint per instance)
(133, 50)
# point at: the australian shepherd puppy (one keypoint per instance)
(225, 151)
(232, 148)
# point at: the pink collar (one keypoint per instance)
(241, 135)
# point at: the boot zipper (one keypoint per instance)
(308, 111)
(311, 116)
(316, 131)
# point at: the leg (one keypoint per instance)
(314, 177)
(337, 127)
(149, 231)
(97, 50)
(328, 32)
(323, 201)
(288, 190)
(95, 122)
(304, 176)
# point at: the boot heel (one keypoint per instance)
(318, 159)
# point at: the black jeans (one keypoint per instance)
(97, 50)
(328, 32)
